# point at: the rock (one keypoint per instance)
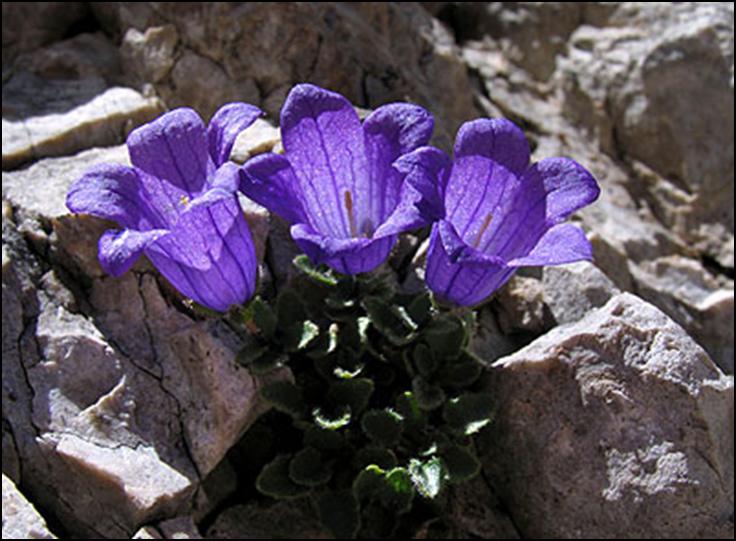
(149, 55)
(20, 518)
(75, 115)
(179, 528)
(260, 137)
(571, 291)
(28, 25)
(639, 79)
(280, 520)
(520, 306)
(256, 52)
(475, 509)
(617, 425)
(85, 56)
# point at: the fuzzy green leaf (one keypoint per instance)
(269, 361)
(461, 463)
(334, 421)
(460, 372)
(382, 426)
(354, 393)
(393, 488)
(424, 361)
(445, 336)
(469, 412)
(274, 480)
(378, 456)
(320, 274)
(428, 476)
(339, 512)
(290, 309)
(309, 468)
(284, 396)
(390, 320)
(250, 352)
(323, 439)
(297, 336)
(263, 317)
(420, 309)
(428, 395)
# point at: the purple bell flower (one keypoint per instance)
(336, 183)
(494, 211)
(178, 205)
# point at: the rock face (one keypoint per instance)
(120, 402)
(619, 425)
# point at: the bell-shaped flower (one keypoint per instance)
(335, 183)
(178, 205)
(494, 211)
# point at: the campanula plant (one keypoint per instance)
(336, 183)
(494, 211)
(177, 204)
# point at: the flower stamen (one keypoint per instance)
(351, 216)
(482, 229)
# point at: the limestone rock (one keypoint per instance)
(644, 73)
(571, 291)
(76, 115)
(372, 53)
(20, 518)
(617, 425)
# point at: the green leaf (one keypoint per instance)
(323, 439)
(428, 395)
(420, 309)
(309, 468)
(461, 463)
(263, 317)
(469, 412)
(393, 488)
(445, 336)
(408, 407)
(250, 352)
(285, 397)
(334, 421)
(269, 361)
(320, 274)
(460, 372)
(354, 393)
(390, 320)
(274, 480)
(382, 426)
(378, 456)
(428, 477)
(323, 344)
(339, 512)
(290, 308)
(297, 336)
(424, 361)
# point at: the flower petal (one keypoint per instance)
(118, 250)
(324, 142)
(390, 131)
(269, 180)
(173, 148)
(456, 274)
(568, 185)
(113, 192)
(348, 256)
(209, 256)
(562, 243)
(225, 125)
(427, 170)
(497, 139)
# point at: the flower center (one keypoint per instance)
(351, 215)
(482, 229)
(184, 200)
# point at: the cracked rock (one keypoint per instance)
(618, 425)
(20, 518)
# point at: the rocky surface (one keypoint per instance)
(120, 402)
(619, 425)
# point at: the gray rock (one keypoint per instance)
(643, 75)
(81, 114)
(618, 425)
(372, 53)
(571, 291)
(280, 520)
(20, 518)
(149, 55)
